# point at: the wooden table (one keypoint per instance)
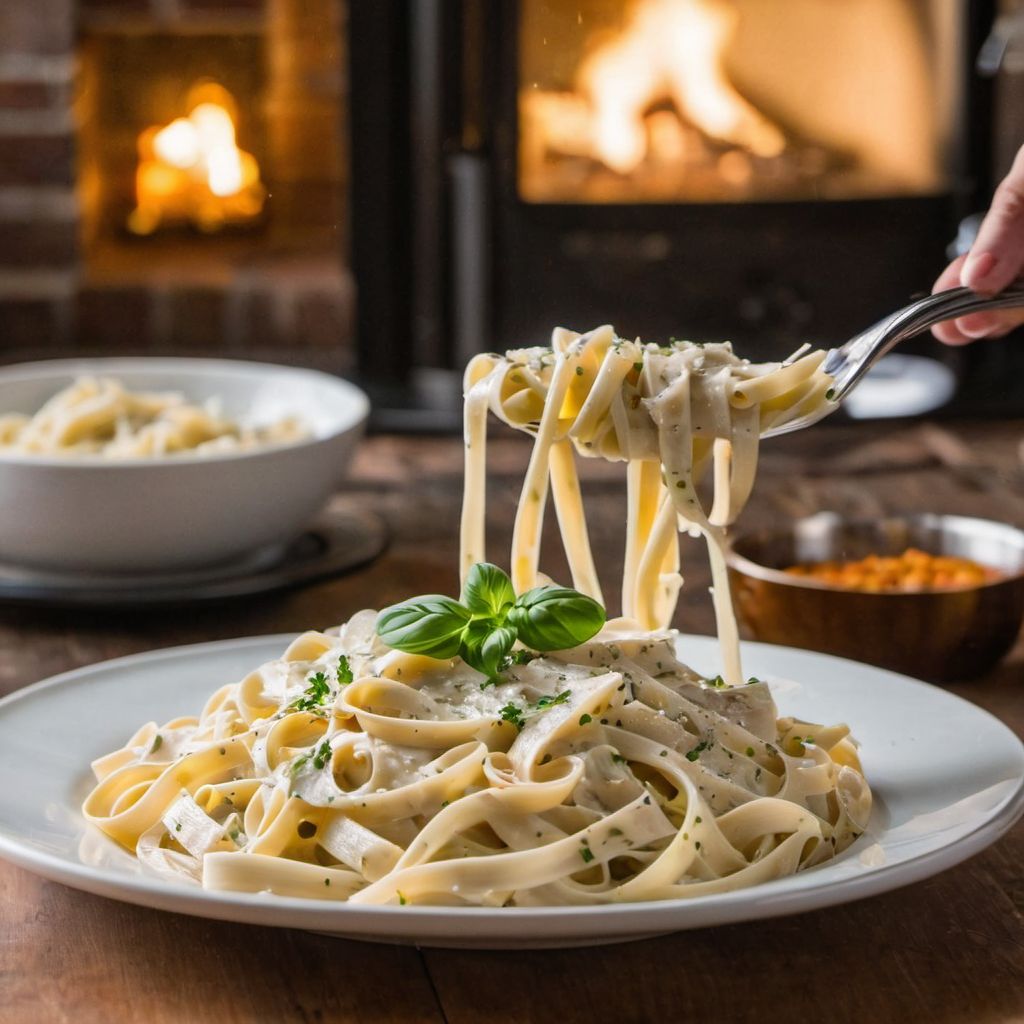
(950, 948)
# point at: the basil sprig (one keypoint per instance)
(483, 627)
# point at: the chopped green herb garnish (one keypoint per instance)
(402, 900)
(317, 691)
(692, 755)
(717, 682)
(519, 657)
(512, 713)
(344, 671)
(579, 371)
(585, 719)
(618, 759)
(550, 702)
(158, 742)
(750, 751)
(830, 394)
(517, 716)
(587, 854)
(322, 755)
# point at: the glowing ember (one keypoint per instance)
(192, 171)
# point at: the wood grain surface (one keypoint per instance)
(948, 949)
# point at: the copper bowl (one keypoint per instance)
(940, 635)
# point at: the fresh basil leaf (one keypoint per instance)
(488, 591)
(554, 618)
(432, 625)
(484, 646)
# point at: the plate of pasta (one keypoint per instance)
(946, 779)
(514, 765)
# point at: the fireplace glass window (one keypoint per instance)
(711, 101)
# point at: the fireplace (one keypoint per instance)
(173, 179)
(706, 101)
(766, 173)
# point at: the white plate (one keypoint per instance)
(948, 780)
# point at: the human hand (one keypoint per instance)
(995, 259)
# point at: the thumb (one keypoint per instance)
(997, 256)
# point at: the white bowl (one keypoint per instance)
(94, 514)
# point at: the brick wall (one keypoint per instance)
(38, 208)
(304, 111)
(72, 282)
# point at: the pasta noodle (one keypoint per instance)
(607, 772)
(668, 411)
(99, 416)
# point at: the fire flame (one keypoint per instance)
(639, 95)
(670, 50)
(192, 170)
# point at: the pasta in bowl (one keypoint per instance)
(140, 464)
(100, 416)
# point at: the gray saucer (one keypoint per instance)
(338, 541)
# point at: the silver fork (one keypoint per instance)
(848, 363)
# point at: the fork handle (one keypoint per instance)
(949, 305)
(849, 363)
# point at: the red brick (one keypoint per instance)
(303, 142)
(37, 160)
(103, 6)
(25, 95)
(197, 320)
(39, 243)
(323, 320)
(113, 318)
(30, 325)
(260, 326)
(307, 216)
(256, 6)
(39, 26)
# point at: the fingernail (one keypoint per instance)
(976, 269)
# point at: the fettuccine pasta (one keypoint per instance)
(670, 412)
(99, 416)
(607, 772)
